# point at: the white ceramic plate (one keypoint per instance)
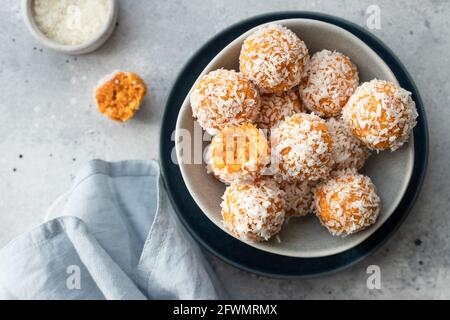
(305, 237)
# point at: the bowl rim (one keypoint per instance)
(237, 253)
(89, 46)
(184, 168)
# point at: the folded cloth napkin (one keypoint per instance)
(116, 238)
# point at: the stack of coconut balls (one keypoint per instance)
(322, 124)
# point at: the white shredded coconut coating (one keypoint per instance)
(277, 107)
(224, 98)
(381, 114)
(253, 211)
(348, 151)
(303, 146)
(347, 203)
(70, 22)
(242, 168)
(329, 80)
(298, 198)
(273, 58)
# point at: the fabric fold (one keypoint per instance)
(117, 235)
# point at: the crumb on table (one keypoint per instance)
(121, 96)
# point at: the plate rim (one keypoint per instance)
(279, 267)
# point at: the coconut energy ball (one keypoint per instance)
(238, 154)
(273, 58)
(347, 203)
(253, 211)
(276, 107)
(120, 95)
(303, 147)
(329, 81)
(298, 197)
(381, 115)
(224, 98)
(348, 151)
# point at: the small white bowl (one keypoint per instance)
(91, 45)
(305, 237)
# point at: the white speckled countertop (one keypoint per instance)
(49, 127)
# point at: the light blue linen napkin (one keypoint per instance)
(116, 238)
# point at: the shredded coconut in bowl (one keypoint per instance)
(273, 58)
(348, 151)
(381, 114)
(224, 98)
(302, 145)
(71, 22)
(329, 80)
(277, 107)
(347, 203)
(253, 211)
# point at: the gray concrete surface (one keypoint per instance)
(49, 127)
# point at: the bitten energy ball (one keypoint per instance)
(347, 203)
(273, 58)
(238, 154)
(120, 95)
(381, 114)
(348, 151)
(224, 98)
(329, 81)
(298, 197)
(253, 211)
(302, 146)
(278, 106)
